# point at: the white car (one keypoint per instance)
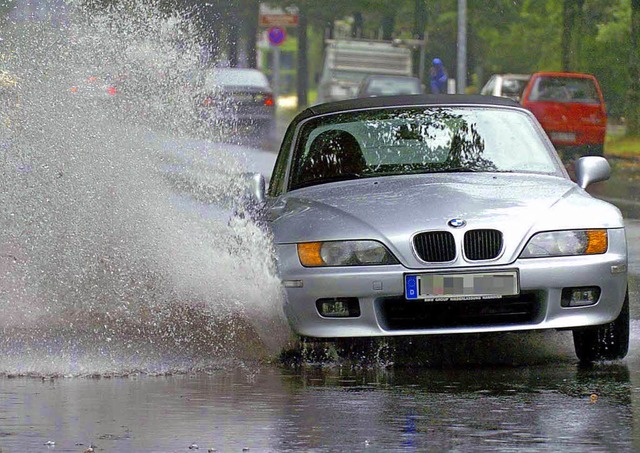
(506, 85)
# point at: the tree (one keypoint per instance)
(302, 63)
(633, 97)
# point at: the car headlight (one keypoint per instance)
(344, 253)
(566, 243)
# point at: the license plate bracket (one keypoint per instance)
(461, 286)
(569, 137)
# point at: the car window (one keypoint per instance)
(277, 182)
(513, 87)
(392, 85)
(565, 89)
(236, 77)
(487, 90)
(410, 140)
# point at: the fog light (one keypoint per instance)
(342, 307)
(580, 297)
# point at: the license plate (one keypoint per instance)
(563, 137)
(443, 287)
(243, 98)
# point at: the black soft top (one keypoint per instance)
(406, 101)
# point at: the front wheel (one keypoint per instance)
(606, 342)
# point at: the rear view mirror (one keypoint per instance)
(255, 188)
(253, 198)
(590, 169)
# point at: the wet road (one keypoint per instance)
(501, 392)
(545, 407)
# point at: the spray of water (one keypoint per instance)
(110, 258)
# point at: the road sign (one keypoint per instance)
(278, 20)
(276, 35)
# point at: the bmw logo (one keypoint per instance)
(457, 223)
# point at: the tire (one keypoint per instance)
(606, 342)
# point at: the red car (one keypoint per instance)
(571, 109)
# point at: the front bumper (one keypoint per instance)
(384, 311)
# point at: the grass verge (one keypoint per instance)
(622, 146)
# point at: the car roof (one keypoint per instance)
(390, 76)
(409, 100)
(515, 76)
(565, 74)
(233, 76)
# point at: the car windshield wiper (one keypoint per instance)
(454, 170)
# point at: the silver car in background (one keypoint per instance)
(238, 100)
(417, 215)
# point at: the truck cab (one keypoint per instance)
(348, 62)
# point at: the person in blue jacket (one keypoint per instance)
(438, 77)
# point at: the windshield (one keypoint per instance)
(565, 89)
(392, 85)
(348, 76)
(418, 140)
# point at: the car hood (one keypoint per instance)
(392, 209)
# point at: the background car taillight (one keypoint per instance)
(111, 90)
(206, 102)
(268, 100)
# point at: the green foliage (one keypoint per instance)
(520, 36)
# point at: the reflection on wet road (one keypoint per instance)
(500, 392)
(535, 408)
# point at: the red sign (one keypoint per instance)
(278, 20)
(276, 35)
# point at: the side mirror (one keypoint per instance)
(255, 188)
(253, 198)
(590, 169)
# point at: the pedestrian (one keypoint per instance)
(438, 77)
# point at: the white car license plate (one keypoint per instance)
(563, 137)
(456, 286)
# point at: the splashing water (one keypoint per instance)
(110, 258)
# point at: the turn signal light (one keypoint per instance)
(309, 254)
(597, 242)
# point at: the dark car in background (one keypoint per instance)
(385, 85)
(506, 85)
(571, 109)
(237, 100)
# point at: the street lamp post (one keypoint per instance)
(462, 47)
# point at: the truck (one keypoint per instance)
(348, 62)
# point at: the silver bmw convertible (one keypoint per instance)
(420, 215)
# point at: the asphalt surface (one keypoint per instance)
(501, 392)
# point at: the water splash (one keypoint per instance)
(109, 259)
